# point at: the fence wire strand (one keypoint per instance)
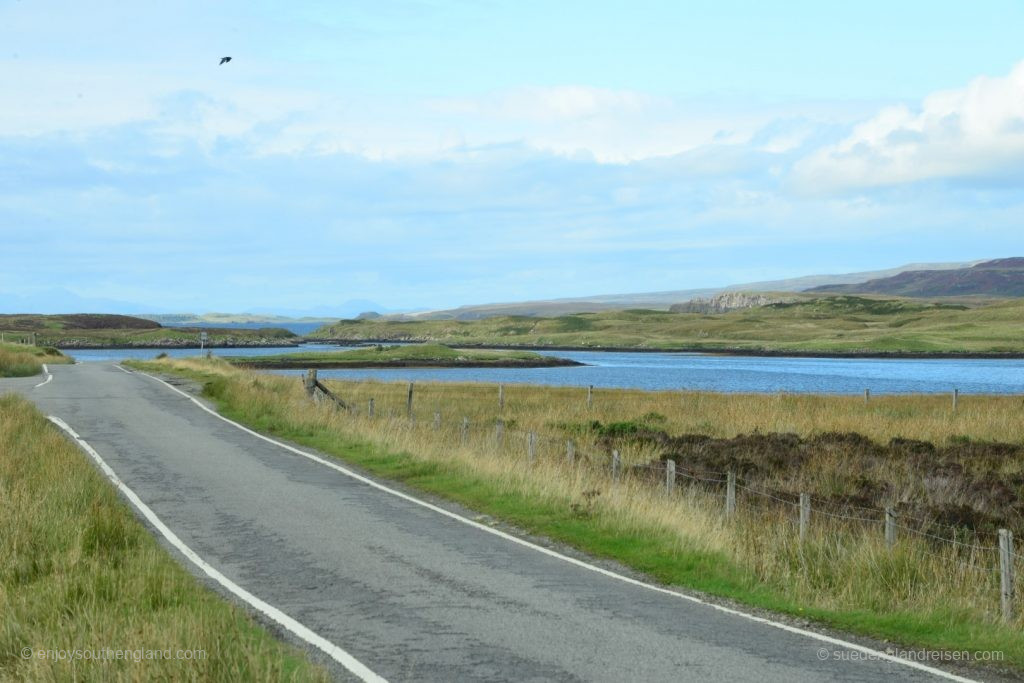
(819, 505)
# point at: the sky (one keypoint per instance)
(424, 154)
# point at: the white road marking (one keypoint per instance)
(124, 370)
(876, 654)
(339, 655)
(48, 377)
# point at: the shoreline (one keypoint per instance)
(257, 364)
(166, 345)
(758, 353)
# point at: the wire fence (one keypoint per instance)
(998, 558)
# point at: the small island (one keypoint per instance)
(408, 356)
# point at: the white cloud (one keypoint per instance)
(969, 132)
(560, 103)
(607, 126)
(264, 111)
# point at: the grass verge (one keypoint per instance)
(79, 572)
(22, 360)
(917, 594)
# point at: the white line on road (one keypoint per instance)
(875, 654)
(48, 377)
(124, 370)
(339, 655)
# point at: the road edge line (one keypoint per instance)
(48, 377)
(878, 654)
(290, 624)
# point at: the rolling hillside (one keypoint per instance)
(999, 278)
(842, 325)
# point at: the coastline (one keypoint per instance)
(767, 353)
(169, 344)
(257, 364)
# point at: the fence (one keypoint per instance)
(996, 557)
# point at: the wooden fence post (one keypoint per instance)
(890, 528)
(867, 396)
(570, 451)
(805, 514)
(437, 421)
(956, 396)
(730, 493)
(616, 465)
(670, 476)
(1006, 574)
(370, 408)
(464, 432)
(590, 396)
(310, 382)
(408, 402)
(501, 397)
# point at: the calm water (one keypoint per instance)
(661, 371)
(87, 355)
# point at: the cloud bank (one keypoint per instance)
(975, 132)
(196, 191)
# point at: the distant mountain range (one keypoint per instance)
(664, 300)
(999, 278)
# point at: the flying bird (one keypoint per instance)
(225, 60)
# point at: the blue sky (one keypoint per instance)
(431, 154)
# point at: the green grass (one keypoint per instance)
(835, 324)
(166, 336)
(78, 571)
(839, 577)
(121, 331)
(433, 354)
(22, 360)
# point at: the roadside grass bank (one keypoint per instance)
(417, 355)
(79, 572)
(23, 360)
(919, 593)
(838, 325)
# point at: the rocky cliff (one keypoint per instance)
(729, 301)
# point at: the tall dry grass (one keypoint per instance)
(922, 591)
(79, 572)
(23, 360)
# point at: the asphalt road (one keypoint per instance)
(411, 593)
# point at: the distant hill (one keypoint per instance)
(30, 322)
(228, 319)
(657, 301)
(999, 278)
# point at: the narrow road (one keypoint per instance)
(412, 594)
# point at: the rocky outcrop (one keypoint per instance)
(729, 301)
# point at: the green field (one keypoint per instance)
(835, 324)
(170, 337)
(84, 331)
(418, 355)
(79, 572)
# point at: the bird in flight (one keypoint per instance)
(224, 60)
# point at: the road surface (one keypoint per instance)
(410, 593)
